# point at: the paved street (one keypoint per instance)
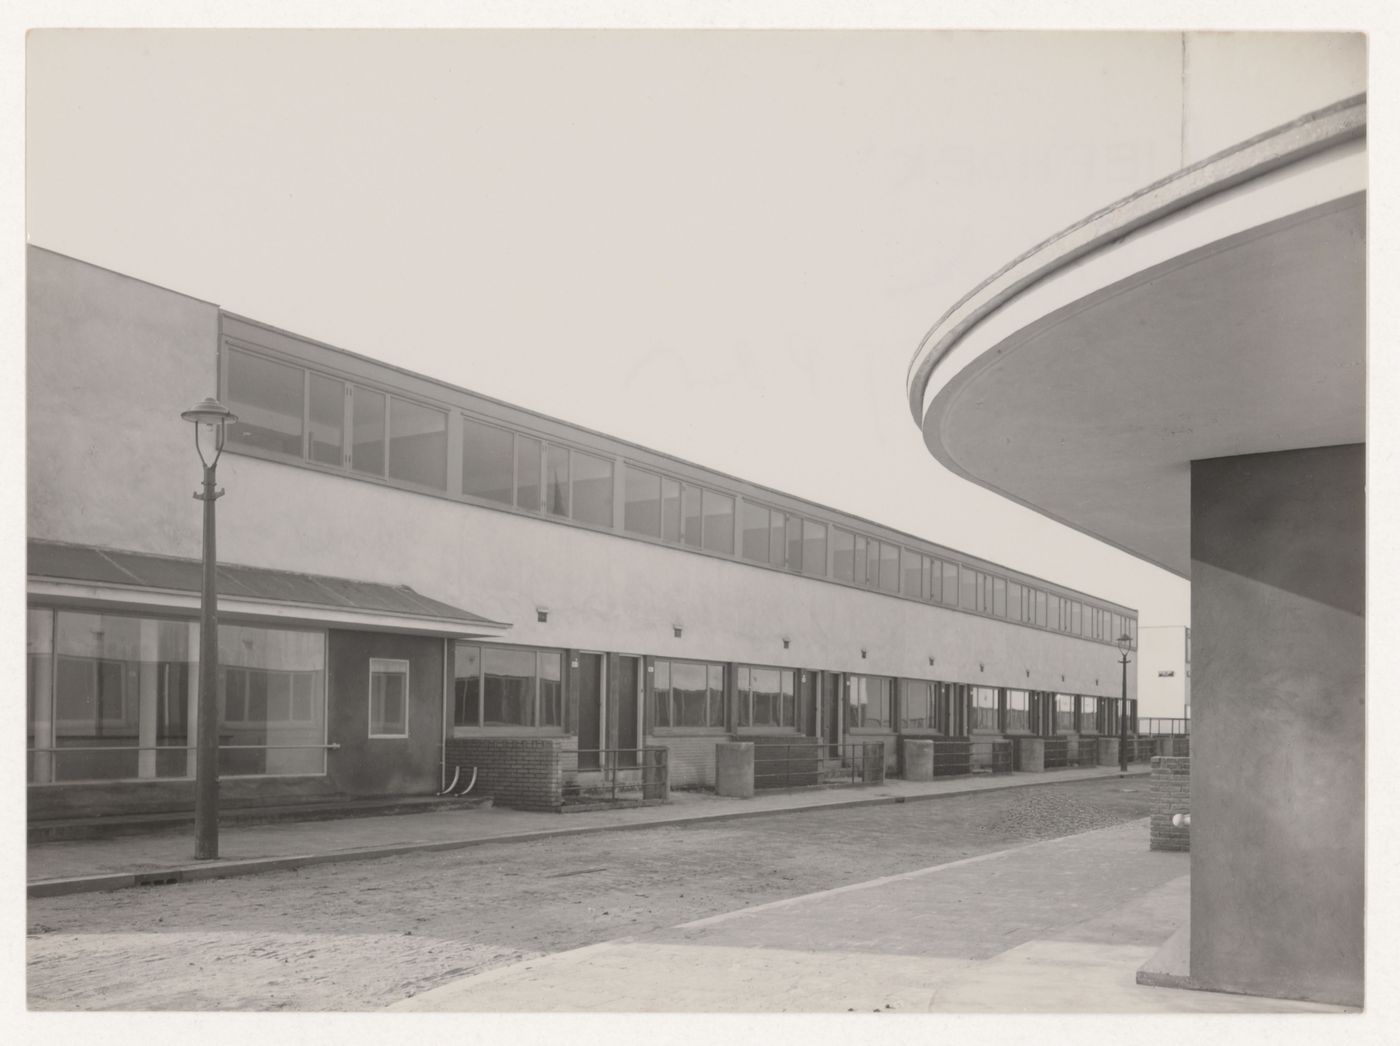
(364, 935)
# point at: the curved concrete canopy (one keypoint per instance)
(1226, 316)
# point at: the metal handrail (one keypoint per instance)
(609, 767)
(859, 755)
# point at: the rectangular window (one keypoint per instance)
(266, 396)
(690, 501)
(912, 567)
(984, 709)
(754, 543)
(641, 507)
(506, 686)
(527, 473)
(551, 689)
(488, 461)
(999, 596)
(556, 480)
(719, 522)
(868, 703)
(861, 561)
(777, 538)
(417, 444)
(1014, 602)
(592, 485)
(950, 583)
(843, 554)
(814, 548)
(367, 431)
(1040, 608)
(688, 694)
(1076, 623)
(872, 563)
(794, 542)
(766, 697)
(916, 709)
(388, 698)
(1088, 715)
(466, 685)
(326, 428)
(1064, 713)
(889, 567)
(935, 580)
(1018, 714)
(670, 509)
(263, 675)
(971, 586)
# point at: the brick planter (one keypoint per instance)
(522, 773)
(1171, 794)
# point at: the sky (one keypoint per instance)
(722, 245)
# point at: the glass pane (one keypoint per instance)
(556, 481)
(641, 509)
(860, 561)
(912, 567)
(466, 685)
(889, 567)
(327, 421)
(788, 714)
(488, 457)
(935, 580)
(1064, 712)
(767, 696)
(777, 539)
(1017, 711)
(742, 688)
(509, 687)
(388, 699)
(688, 694)
(842, 555)
(950, 583)
(367, 431)
(1040, 608)
(670, 510)
(970, 584)
(1013, 600)
(267, 398)
(714, 675)
(661, 692)
(527, 473)
(984, 708)
(417, 444)
(754, 543)
(259, 670)
(999, 597)
(592, 489)
(719, 522)
(814, 548)
(794, 542)
(691, 506)
(918, 707)
(1088, 715)
(551, 690)
(872, 563)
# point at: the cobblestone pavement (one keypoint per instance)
(363, 935)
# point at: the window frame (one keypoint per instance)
(670, 728)
(385, 666)
(479, 728)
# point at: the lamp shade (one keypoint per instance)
(1125, 642)
(208, 412)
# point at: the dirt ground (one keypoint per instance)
(361, 935)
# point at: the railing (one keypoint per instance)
(1164, 725)
(1059, 754)
(958, 757)
(43, 761)
(1141, 749)
(614, 770)
(804, 764)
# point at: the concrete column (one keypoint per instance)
(734, 769)
(1278, 723)
(1108, 751)
(1030, 755)
(918, 759)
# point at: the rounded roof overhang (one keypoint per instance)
(1220, 311)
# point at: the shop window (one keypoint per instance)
(388, 698)
(266, 396)
(488, 461)
(766, 697)
(688, 694)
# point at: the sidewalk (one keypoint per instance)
(109, 864)
(1057, 926)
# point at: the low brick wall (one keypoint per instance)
(1171, 794)
(518, 772)
(691, 759)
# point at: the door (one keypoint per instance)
(588, 683)
(626, 706)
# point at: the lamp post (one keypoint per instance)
(209, 419)
(1125, 643)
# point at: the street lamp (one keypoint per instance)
(209, 419)
(1125, 643)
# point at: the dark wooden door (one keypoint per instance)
(625, 710)
(588, 682)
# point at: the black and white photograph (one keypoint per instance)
(695, 514)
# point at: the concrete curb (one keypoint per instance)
(187, 873)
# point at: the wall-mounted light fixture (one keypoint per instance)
(932, 659)
(676, 629)
(573, 661)
(541, 614)
(1028, 673)
(651, 669)
(862, 653)
(981, 667)
(786, 642)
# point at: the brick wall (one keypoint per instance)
(1171, 794)
(519, 772)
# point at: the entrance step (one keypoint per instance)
(70, 828)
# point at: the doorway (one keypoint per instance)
(588, 684)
